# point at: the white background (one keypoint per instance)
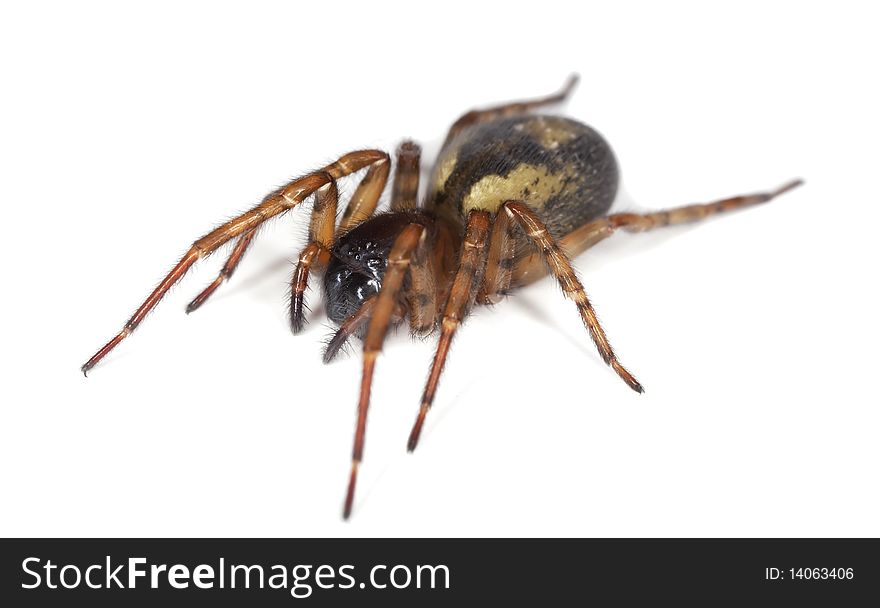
(127, 132)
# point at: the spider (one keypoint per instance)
(513, 196)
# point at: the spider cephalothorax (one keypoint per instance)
(358, 261)
(513, 196)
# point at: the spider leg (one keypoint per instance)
(273, 204)
(561, 268)
(386, 301)
(500, 260)
(432, 264)
(420, 290)
(321, 229)
(405, 188)
(509, 109)
(460, 298)
(229, 267)
(533, 267)
(365, 198)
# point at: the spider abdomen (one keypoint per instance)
(559, 167)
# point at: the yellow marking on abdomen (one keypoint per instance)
(531, 184)
(551, 132)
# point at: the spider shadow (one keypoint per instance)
(107, 362)
(623, 245)
(528, 303)
(252, 280)
(441, 411)
(618, 247)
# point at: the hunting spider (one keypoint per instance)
(513, 196)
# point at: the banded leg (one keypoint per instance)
(461, 297)
(275, 203)
(421, 289)
(405, 188)
(499, 263)
(398, 265)
(509, 109)
(560, 267)
(533, 268)
(322, 227)
(364, 200)
(322, 233)
(229, 267)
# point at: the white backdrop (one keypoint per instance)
(129, 131)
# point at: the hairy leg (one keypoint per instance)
(273, 204)
(364, 200)
(469, 275)
(322, 234)
(561, 268)
(533, 267)
(499, 264)
(392, 282)
(420, 290)
(405, 188)
(229, 267)
(509, 109)
(317, 252)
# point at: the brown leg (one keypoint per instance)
(421, 289)
(317, 251)
(405, 189)
(499, 264)
(533, 268)
(273, 204)
(229, 267)
(468, 276)
(509, 109)
(364, 200)
(561, 268)
(398, 264)
(322, 233)
(321, 229)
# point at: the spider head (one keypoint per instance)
(351, 280)
(357, 264)
(358, 261)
